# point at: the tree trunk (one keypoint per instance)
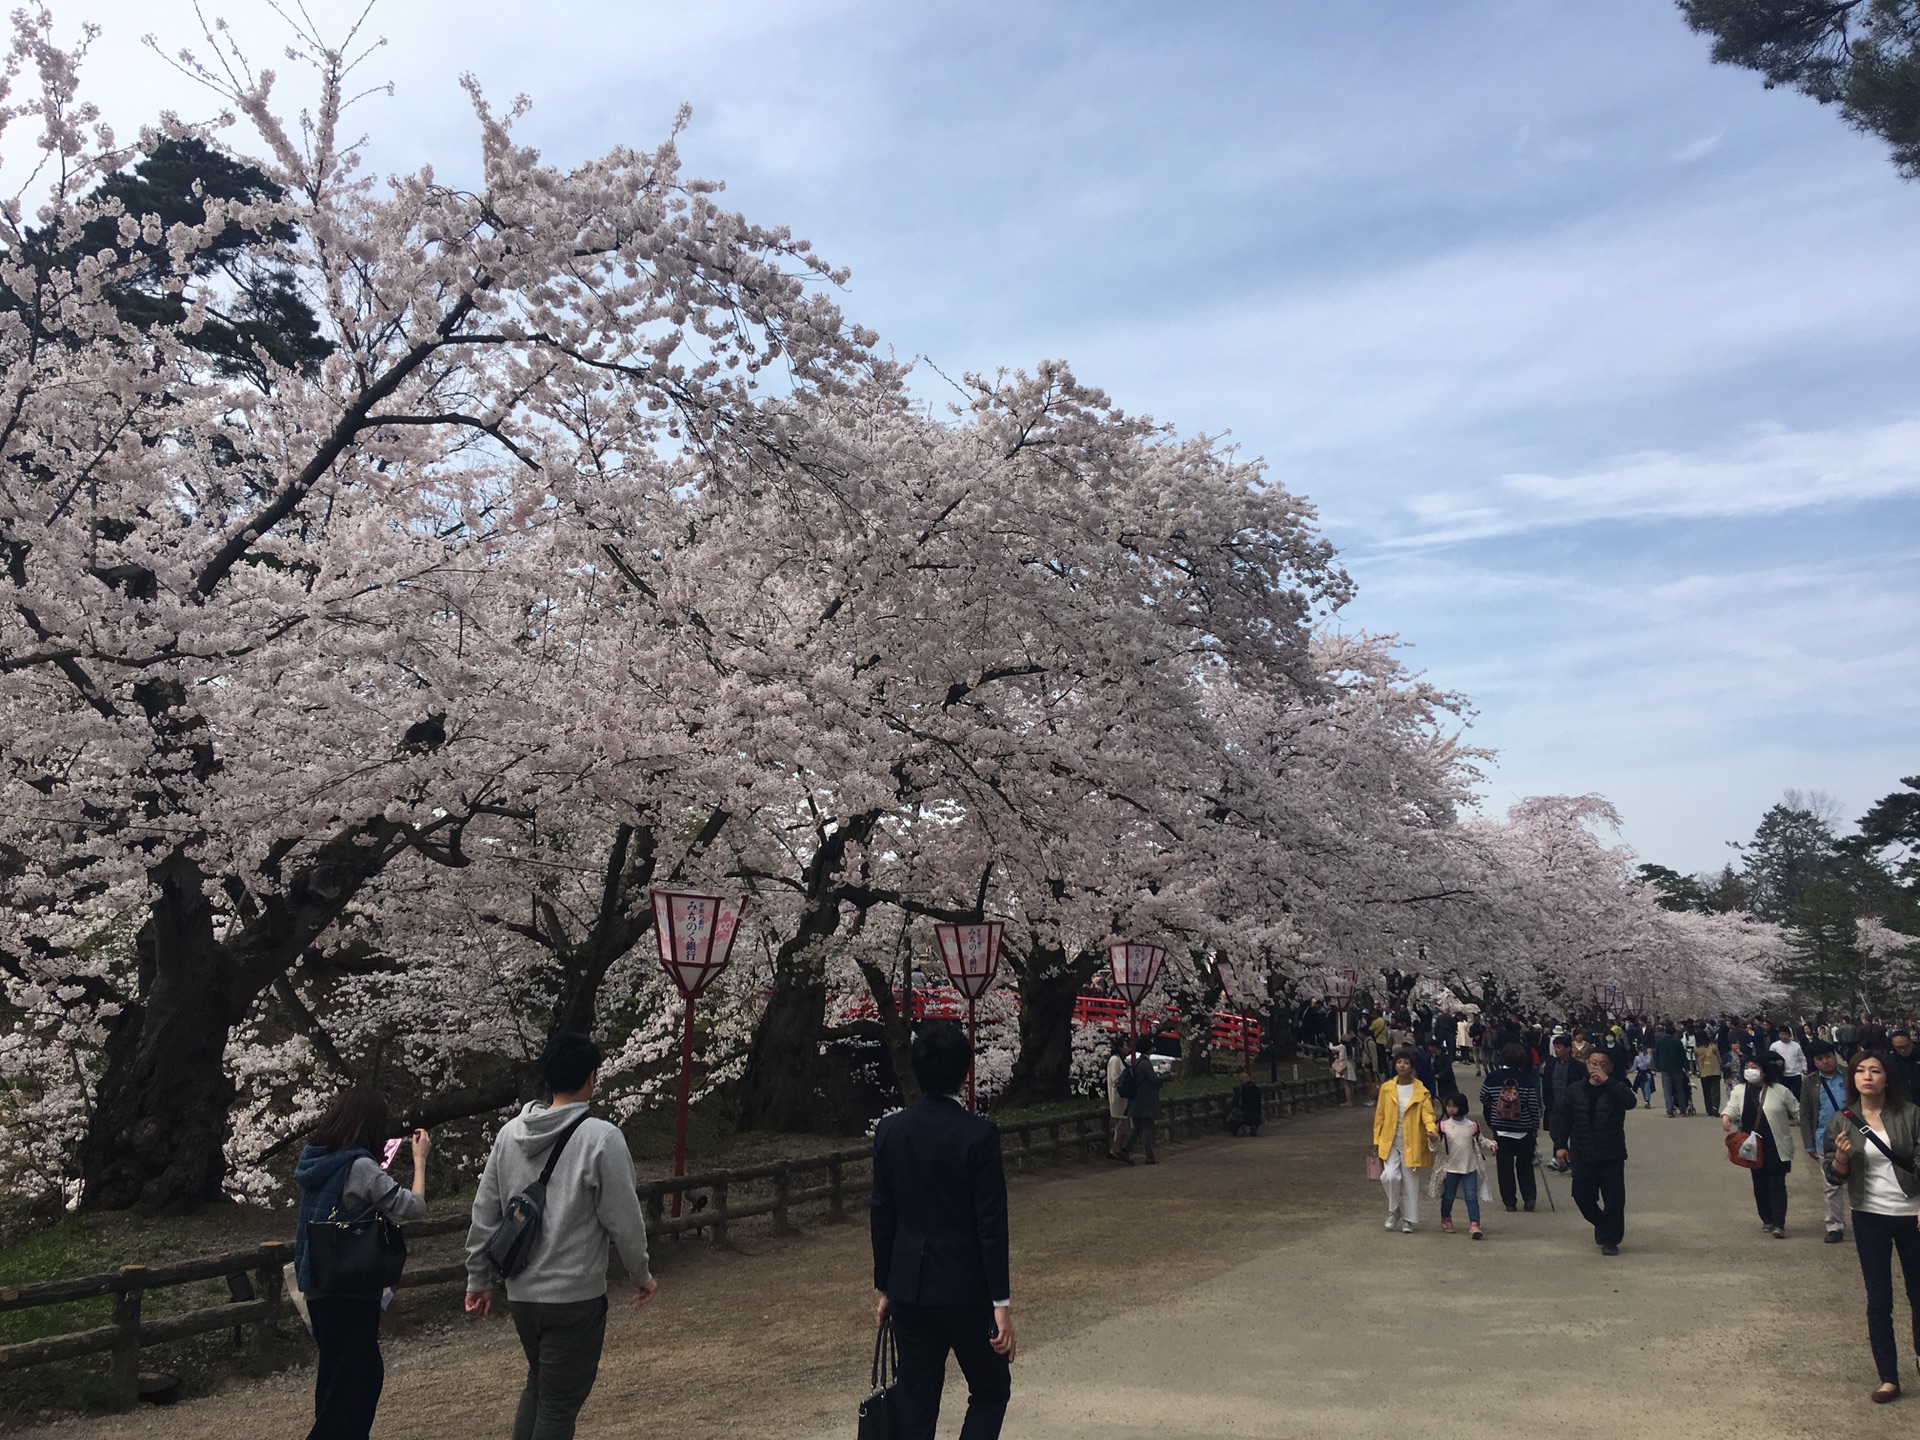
(1048, 984)
(785, 1071)
(897, 1028)
(157, 1139)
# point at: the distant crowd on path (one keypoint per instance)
(1840, 1093)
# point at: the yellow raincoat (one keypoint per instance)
(1417, 1151)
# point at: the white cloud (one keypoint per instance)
(1698, 149)
(1770, 471)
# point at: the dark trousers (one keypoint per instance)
(563, 1359)
(1513, 1163)
(1792, 1082)
(1600, 1190)
(1710, 1093)
(346, 1384)
(1770, 1193)
(925, 1333)
(1877, 1238)
(1143, 1132)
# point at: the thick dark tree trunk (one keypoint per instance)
(157, 1140)
(1048, 983)
(897, 1029)
(1196, 1044)
(785, 1070)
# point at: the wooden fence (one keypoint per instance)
(773, 1189)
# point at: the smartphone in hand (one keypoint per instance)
(393, 1149)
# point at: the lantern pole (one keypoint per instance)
(973, 1060)
(686, 1095)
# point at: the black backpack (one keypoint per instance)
(511, 1244)
(1129, 1081)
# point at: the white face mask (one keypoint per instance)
(1752, 1075)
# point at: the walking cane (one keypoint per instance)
(1541, 1166)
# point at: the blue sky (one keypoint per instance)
(1598, 360)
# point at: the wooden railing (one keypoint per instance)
(773, 1189)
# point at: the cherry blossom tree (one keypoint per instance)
(269, 635)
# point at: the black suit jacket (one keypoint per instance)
(939, 1207)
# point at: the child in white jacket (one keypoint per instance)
(1459, 1165)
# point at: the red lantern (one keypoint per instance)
(971, 954)
(1135, 967)
(695, 934)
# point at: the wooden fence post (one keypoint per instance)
(717, 1231)
(1053, 1140)
(836, 1193)
(125, 1371)
(1082, 1137)
(656, 1211)
(782, 1190)
(269, 1284)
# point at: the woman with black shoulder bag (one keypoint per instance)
(346, 1253)
(1870, 1148)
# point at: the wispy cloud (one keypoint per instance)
(1766, 473)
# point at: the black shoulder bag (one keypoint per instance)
(878, 1420)
(354, 1259)
(511, 1244)
(1881, 1146)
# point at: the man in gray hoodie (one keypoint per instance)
(559, 1300)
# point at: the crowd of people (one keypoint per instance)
(557, 1197)
(1842, 1095)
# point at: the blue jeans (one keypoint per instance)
(1467, 1185)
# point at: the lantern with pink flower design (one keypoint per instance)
(695, 934)
(1135, 967)
(971, 954)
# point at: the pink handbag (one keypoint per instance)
(1376, 1167)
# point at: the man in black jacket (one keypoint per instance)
(1560, 1074)
(939, 1224)
(1590, 1132)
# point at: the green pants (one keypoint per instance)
(563, 1358)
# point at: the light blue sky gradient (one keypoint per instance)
(1598, 360)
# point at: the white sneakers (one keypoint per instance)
(1393, 1219)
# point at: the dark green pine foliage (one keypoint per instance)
(1825, 963)
(261, 314)
(1860, 56)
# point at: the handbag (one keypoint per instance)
(354, 1258)
(878, 1420)
(1376, 1167)
(1744, 1147)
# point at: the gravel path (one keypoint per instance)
(1241, 1288)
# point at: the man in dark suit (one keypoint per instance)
(939, 1221)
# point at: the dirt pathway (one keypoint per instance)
(1243, 1288)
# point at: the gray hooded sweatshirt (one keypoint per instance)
(590, 1200)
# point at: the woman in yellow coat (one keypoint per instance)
(1404, 1128)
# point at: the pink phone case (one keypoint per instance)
(393, 1149)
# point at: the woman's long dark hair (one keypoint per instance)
(1895, 1093)
(358, 1119)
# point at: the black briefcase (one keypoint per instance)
(877, 1420)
